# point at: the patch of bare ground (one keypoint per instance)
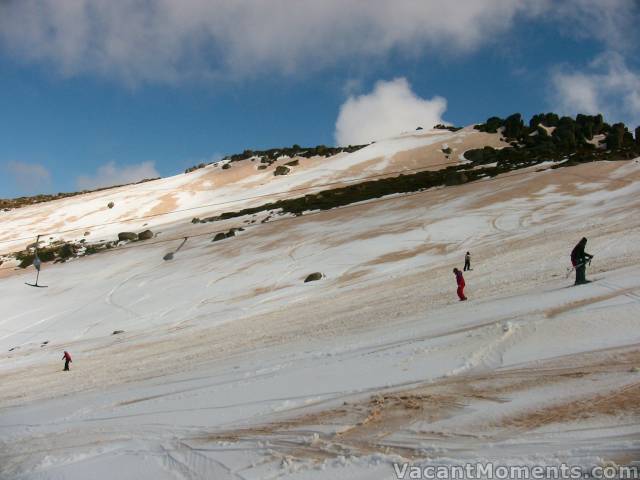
(365, 425)
(620, 402)
(166, 203)
(431, 157)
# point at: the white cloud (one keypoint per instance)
(167, 41)
(612, 22)
(112, 174)
(391, 108)
(606, 86)
(30, 177)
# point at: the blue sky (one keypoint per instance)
(97, 92)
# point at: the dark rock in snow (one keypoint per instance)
(281, 170)
(116, 332)
(146, 235)
(312, 277)
(122, 236)
(219, 236)
(110, 204)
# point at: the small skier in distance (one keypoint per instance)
(461, 284)
(579, 260)
(67, 360)
(467, 262)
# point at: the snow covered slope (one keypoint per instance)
(230, 366)
(213, 190)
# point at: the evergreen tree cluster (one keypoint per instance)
(566, 132)
(548, 136)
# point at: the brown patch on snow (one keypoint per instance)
(431, 157)
(351, 275)
(404, 254)
(367, 425)
(614, 403)
(529, 184)
(166, 203)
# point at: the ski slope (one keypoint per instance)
(230, 366)
(213, 190)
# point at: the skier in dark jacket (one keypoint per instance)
(67, 360)
(579, 260)
(467, 262)
(461, 284)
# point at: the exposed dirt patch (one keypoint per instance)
(366, 425)
(166, 203)
(431, 157)
(615, 403)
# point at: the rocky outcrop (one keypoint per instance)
(455, 178)
(195, 167)
(223, 235)
(312, 277)
(281, 170)
(127, 236)
(145, 235)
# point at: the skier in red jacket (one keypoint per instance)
(67, 360)
(461, 284)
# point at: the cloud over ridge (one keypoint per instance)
(30, 177)
(608, 86)
(111, 174)
(391, 108)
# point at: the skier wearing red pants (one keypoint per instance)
(461, 284)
